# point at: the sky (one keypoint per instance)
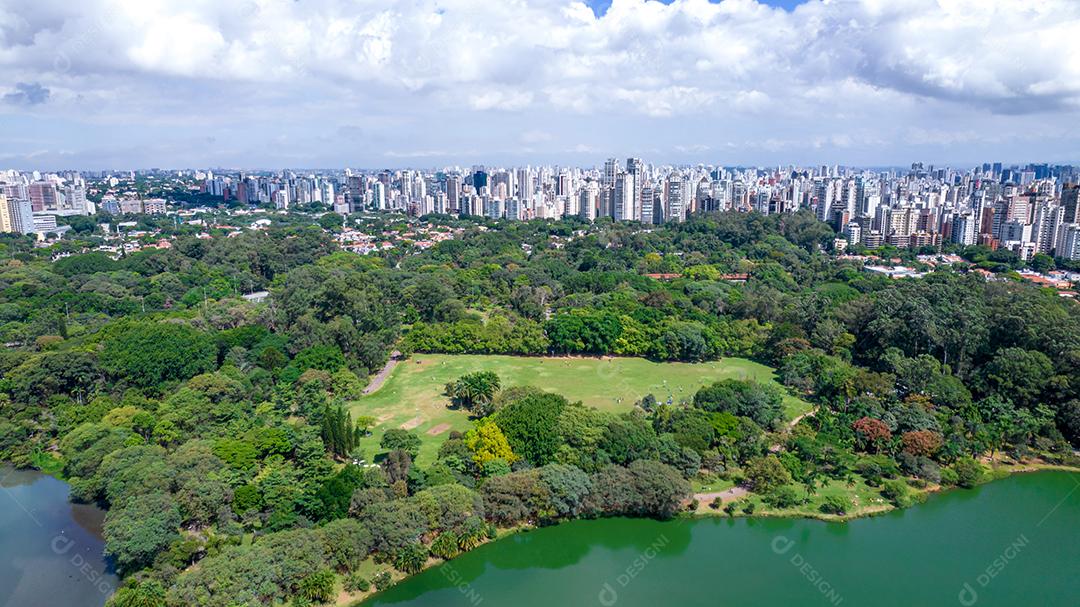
(121, 84)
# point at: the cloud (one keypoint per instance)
(27, 93)
(442, 72)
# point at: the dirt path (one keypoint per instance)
(383, 374)
(799, 418)
(725, 496)
(736, 492)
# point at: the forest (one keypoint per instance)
(217, 432)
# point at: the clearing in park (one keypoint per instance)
(412, 397)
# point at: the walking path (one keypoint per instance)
(383, 374)
(735, 493)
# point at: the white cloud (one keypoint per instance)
(745, 69)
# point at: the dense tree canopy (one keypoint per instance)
(221, 433)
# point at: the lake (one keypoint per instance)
(1012, 542)
(50, 549)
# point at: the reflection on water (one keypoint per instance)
(926, 555)
(50, 549)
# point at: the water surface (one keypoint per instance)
(50, 549)
(1012, 542)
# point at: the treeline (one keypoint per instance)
(200, 419)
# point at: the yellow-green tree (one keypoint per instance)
(487, 442)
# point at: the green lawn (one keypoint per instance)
(413, 395)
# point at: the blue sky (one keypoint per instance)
(431, 83)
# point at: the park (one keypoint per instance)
(412, 397)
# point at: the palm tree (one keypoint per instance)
(445, 545)
(411, 558)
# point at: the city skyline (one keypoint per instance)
(1030, 210)
(107, 84)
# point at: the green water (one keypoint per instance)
(50, 549)
(1013, 542)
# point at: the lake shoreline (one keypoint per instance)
(994, 475)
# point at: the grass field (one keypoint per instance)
(413, 398)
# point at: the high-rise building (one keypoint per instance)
(1070, 200)
(16, 215)
(625, 205)
(589, 200)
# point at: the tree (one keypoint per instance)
(138, 529)
(338, 432)
(968, 472)
(660, 488)
(762, 403)
(487, 443)
(397, 465)
(411, 558)
(835, 504)
(567, 488)
(1068, 419)
(404, 440)
(1017, 375)
(147, 593)
(515, 497)
(474, 390)
(147, 354)
(873, 433)
(318, 587)
(921, 442)
(445, 545)
(764, 474)
(531, 426)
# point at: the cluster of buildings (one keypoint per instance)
(30, 203)
(1027, 209)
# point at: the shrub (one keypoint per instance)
(783, 497)
(835, 504)
(357, 583)
(382, 580)
(968, 472)
(318, 587)
(895, 491)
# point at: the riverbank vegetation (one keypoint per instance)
(230, 443)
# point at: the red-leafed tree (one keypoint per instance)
(872, 433)
(921, 442)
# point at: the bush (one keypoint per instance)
(716, 503)
(318, 587)
(748, 508)
(382, 580)
(968, 472)
(357, 583)
(783, 497)
(895, 491)
(835, 504)
(949, 477)
(729, 508)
